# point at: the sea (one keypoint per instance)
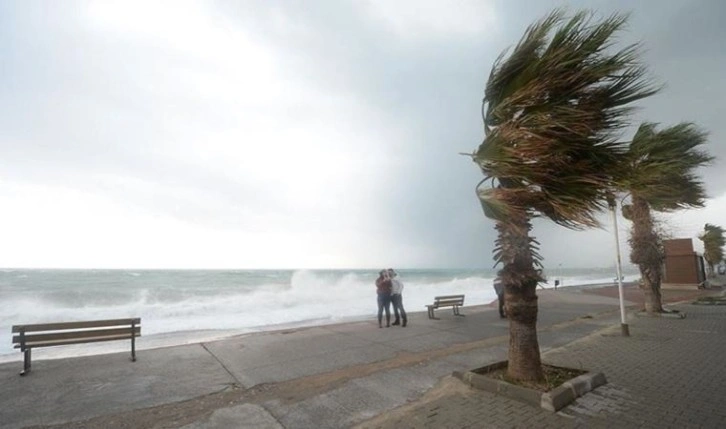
(187, 306)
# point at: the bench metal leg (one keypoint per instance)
(456, 311)
(431, 313)
(26, 362)
(133, 342)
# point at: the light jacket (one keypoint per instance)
(498, 287)
(396, 286)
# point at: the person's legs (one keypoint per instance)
(403, 312)
(387, 305)
(396, 301)
(500, 297)
(380, 310)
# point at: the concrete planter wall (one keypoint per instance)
(667, 314)
(710, 300)
(554, 400)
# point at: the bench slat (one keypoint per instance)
(74, 341)
(448, 303)
(450, 297)
(67, 335)
(75, 325)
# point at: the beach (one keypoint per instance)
(337, 375)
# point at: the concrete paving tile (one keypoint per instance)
(480, 357)
(245, 415)
(422, 343)
(297, 367)
(84, 387)
(280, 347)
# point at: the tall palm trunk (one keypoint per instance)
(520, 285)
(711, 271)
(647, 254)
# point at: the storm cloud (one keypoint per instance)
(291, 134)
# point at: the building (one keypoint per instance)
(684, 267)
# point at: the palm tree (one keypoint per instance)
(550, 109)
(659, 175)
(713, 242)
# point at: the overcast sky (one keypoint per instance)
(292, 134)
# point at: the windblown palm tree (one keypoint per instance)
(551, 107)
(659, 176)
(713, 242)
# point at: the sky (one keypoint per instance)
(294, 134)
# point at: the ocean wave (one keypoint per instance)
(201, 301)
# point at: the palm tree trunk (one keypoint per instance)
(647, 254)
(524, 358)
(711, 271)
(650, 284)
(520, 280)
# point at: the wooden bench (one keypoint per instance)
(454, 301)
(58, 334)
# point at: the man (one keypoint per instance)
(499, 289)
(397, 298)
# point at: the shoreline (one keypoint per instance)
(187, 337)
(633, 297)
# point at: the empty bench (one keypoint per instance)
(454, 301)
(28, 337)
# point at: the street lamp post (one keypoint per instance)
(623, 324)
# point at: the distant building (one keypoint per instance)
(684, 267)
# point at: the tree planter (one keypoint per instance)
(552, 400)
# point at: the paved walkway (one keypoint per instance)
(669, 373)
(356, 374)
(633, 294)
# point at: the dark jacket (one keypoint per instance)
(383, 285)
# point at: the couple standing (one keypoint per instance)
(389, 289)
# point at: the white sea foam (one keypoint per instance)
(180, 307)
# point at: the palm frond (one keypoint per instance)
(553, 106)
(713, 243)
(661, 166)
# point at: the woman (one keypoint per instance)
(383, 289)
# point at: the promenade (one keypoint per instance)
(668, 373)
